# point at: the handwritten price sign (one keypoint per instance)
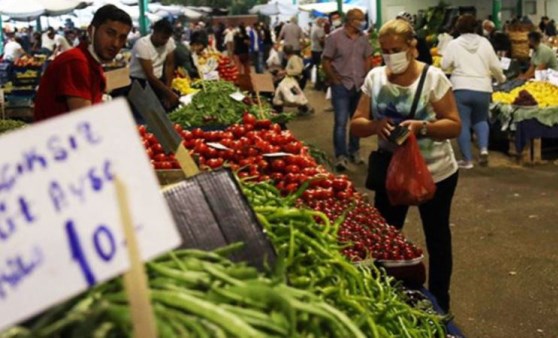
(60, 230)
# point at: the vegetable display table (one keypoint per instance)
(530, 124)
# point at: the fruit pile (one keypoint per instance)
(540, 93)
(259, 151)
(29, 61)
(525, 99)
(227, 69)
(366, 231)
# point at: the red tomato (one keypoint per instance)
(278, 165)
(198, 133)
(149, 152)
(178, 127)
(160, 157)
(248, 118)
(263, 124)
(291, 187)
(214, 162)
(165, 165)
(292, 169)
(157, 148)
(339, 184)
(142, 130)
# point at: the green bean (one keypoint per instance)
(229, 322)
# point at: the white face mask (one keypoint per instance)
(336, 23)
(91, 48)
(485, 32)
(397, 62)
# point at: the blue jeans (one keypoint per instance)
(257, 58)
(473, 110)
(344, 103)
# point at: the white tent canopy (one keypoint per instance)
(274, 8)
(18, 9)
(159, 9)
(61, 7)
(329, 7)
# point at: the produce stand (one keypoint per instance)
(330, 242)
(528, 113)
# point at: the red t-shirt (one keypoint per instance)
(73, 73)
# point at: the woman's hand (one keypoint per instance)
(414, 126)
(383, 128)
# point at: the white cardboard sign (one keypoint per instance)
(60, 226)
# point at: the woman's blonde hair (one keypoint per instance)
(398, 27)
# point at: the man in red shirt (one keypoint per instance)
(75, 79)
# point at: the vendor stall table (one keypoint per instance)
(530, 124)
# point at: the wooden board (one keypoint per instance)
(262, 83)
(117, 78)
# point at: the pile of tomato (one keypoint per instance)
(260, 150)
(227, 69)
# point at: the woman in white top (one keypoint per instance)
(473, 63)
(387, 96)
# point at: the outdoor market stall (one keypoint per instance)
(530, 111)
(330, 245)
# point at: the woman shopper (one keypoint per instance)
(242, 50)
(473, 63)
(387, 96)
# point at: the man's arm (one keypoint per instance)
(330, 71)
(157, 84)
(169, 69)
(75, 102)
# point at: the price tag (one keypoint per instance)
(60, 225)
(237, 96)
(216, 145)
(278, 154)
(505, 63)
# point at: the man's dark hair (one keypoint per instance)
(535, 36)
(163, 26)
(112, 13)
(199, 37)
(466, 24)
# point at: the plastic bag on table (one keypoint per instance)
(409, 181)
(289, 93)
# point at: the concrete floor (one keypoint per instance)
(505, 229)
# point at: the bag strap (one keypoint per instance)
(419, 91)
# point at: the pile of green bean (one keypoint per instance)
(310, 258)
(197, 294)
(213, 106)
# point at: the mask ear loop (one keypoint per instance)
(91, 47)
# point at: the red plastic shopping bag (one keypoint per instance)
(409, 181)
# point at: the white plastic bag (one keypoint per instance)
(288, 93)
(328, 93)
(314, 75)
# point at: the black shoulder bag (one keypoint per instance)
(378, 161)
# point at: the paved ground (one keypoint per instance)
(505, 229)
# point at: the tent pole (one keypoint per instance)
(1, 36)
(142, 17)
(340, 7)
(378, 14)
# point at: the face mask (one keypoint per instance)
(485, 32)
(336, 23)
(91, 47)
(397, 62)
(362, 25)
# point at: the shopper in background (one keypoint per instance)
(423, 52)
(346, 60)
(76, 79)
(543, 23)
(473, 64)
(387, 97)
(48, 41)
(242, 50)
(153, 62)
(317, 40)
(500, 40)
(267, 39)
(294, 69)
(228, 41)
(12, 49)
(550, 29)
(543, 56)
(292, 35)
(256, 47)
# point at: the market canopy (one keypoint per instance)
(19, 9)
(329, 7)
(175, 10)
(273, 8)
